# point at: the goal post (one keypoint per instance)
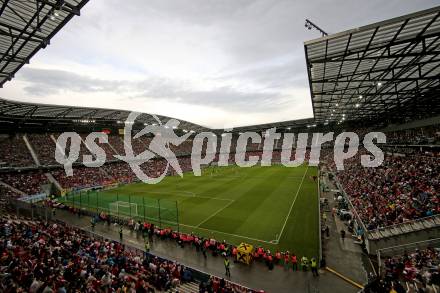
(123, 209)
(161, 212)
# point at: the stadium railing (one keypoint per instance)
(352, 208)
(319, 215)
(406, 227)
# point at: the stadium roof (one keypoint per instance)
(387, 70)
(26, 26)
(10, 110)
(284, 125)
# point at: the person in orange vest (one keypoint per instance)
(174, 236)
(260, 251)
(234, 253)
(277, 257)
(212, 243)
(221, 248)
(286, 260)
(269, 261)
(294, 262)
(256, 256)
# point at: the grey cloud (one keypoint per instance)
(283, 74)
(256, 30)
(42, 82)
(225, 98)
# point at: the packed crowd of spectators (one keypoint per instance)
(139, 144)
(83, 177)
(44, 146)
(402, 188)
(109, 151)
(120, 172)
(417, 136)
(184, 148)
(7, 192)
(41, 257)
(117, 143)
(418, 271)
(14, 152)
(28, 182)
(421, 265)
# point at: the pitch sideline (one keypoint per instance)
(293, 203)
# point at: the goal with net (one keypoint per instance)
(123, 209)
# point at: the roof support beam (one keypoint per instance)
(3, 7)
(62, 5)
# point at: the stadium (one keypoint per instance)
(94, 200)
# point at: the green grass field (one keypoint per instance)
(275, 207)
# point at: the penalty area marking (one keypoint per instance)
(190, 194)
(293, 203)
(230, 234)
(215, 214)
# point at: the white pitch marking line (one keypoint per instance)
(293, 203)
(216, 198)
(235, 235)
(191, 194)
(214, 214)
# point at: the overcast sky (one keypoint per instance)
(218, 63)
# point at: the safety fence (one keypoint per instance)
(161, 212)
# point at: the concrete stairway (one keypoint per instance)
(12, 188)
(415, 286)
(113, 148)
(31, 150)
(56, 144)
(191, 287)
(53, 181)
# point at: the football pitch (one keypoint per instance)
(274, 207)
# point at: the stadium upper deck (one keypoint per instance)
(387, 70)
